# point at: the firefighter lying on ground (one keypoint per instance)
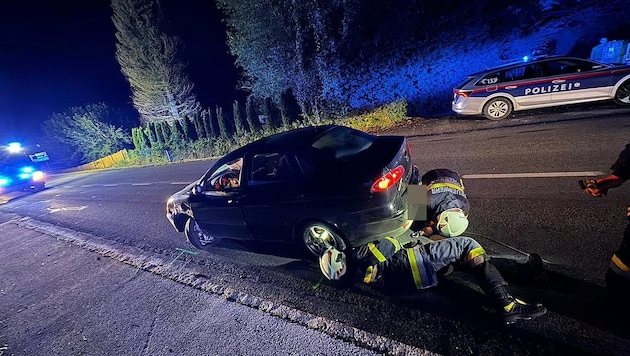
(387, 265)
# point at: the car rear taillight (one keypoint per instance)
(388, 180)
(409, 148)
(462, 93)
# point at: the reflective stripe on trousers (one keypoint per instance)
(423, 273)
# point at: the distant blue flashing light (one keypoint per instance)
(26, 172)
(525, 58)
(4, 181)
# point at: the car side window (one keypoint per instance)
(225, 178)
(567, 66)
(524, 72)
(270, 167)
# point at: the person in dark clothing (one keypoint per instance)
(618, 273)
(620, 174)
(387, 265)
(448, 206)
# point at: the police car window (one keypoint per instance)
(567, 66)
(512, 74)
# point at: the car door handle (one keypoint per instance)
(510, 87)
(558, 81)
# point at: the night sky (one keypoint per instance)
(59, 54)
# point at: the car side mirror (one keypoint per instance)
(196, 190)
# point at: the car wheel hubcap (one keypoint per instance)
(318, 238)
(623, 94)
(497, 109)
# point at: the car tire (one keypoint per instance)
(622, 95)
(498, 108)
(196, 236)
(318, 236)
(40, 186)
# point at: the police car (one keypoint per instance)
(541, 83)
(20, 174)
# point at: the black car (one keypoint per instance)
(20, 174)
(320, 185)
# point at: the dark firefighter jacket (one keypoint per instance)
(620, 263)
(445, 191)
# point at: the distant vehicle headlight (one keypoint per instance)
(38, 175)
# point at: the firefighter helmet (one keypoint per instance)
(452, 222)
(333, 263)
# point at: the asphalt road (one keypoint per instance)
(521, 177)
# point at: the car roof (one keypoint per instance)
(537, 60)
(296, 139)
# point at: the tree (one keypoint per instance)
(206, 119)
(222, 124)
(148, 59)
(249, 114)
(238, 119)
(83, 129)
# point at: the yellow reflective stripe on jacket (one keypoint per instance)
(379, 256)
(619, 267)
(415, 271)
(622, 266)
(395, 242)
(474, 253)
(439, 185)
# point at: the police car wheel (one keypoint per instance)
(622, 96)
(318, 236)
(497, 109)
(196, 236)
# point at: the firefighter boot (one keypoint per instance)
(519, 310)
(513, 309)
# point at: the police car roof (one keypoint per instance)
(535, 60)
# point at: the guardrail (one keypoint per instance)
(102, 163)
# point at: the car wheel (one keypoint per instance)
(497, 109)
(317, 237)
(622, 95)
(40, 186)
(196, 236)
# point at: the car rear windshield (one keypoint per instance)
(344, 142)
(465, 82)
